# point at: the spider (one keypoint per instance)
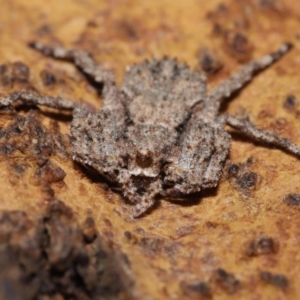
(160, 133)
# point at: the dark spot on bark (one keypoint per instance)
(20, 72)
(51, 173)
(290, 102)
(221, 9)
(250, 160)
(233, 170)
(5, 75)
(274, 6)
(44, 29)
(280, 123)
(127, 29)
(89, 230)
(278, 280)
(218, 29)
(108, 234)
(226, 281)
(107, 223)
(131, 238)
(266, 113)
(92, 23)
(210, 224)
(208, 62)
(297, 113)
(266, 3)
(247, 180)
(151, 246)
(3, 69)
(238, 45)
(265, 245)
(48, 192)
(20, 169)
(57, 208)
(140, 230)
(6, 149)
(292, 199)
(241, 177)
(196, 290)
(47, 78)
(128, 235)
(184, 230)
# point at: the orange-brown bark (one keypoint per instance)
(221, 246)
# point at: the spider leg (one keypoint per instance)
(33, 98)
(238, 80)
(244, 125)
(97, 142)
(111, 95)
(200, 160)
(82, 59)
(214, 169)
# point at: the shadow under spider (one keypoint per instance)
(186, 201)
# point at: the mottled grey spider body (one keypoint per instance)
(159, 133)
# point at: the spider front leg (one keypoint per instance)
(246, 126)
(82, 59)
(33, 98)
(237, 81)
(200, 161)
(111, 95)
(97, 142)
(216, 163)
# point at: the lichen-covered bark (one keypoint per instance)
(238, 241)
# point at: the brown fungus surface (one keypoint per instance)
(175, 250)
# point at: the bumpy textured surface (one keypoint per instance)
(238, 241)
